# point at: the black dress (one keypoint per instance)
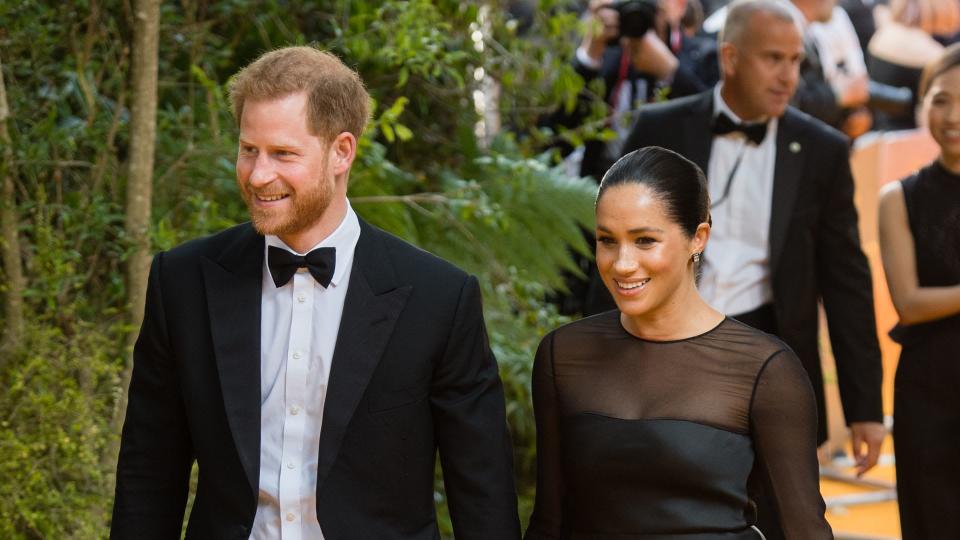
(656, 440)
(927, 386)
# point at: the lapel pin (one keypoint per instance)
(795, 147)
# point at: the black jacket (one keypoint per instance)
(412, 372)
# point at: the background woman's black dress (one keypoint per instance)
(927, 387)
(656, 440)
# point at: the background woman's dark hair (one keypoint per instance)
(676, 180)
(949, 59)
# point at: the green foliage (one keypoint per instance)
(57, 391)
(431, 169)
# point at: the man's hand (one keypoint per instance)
(853, 92)
(870, 434)
(651, 55)
(603, 26)
(857, 123)
(608, 17)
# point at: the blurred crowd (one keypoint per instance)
(860, 72)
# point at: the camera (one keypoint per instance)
(890, 99)
(636, 16)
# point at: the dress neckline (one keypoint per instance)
(668, 341)
(940, 170)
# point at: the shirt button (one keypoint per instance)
(290, 465)
(301, 298)
(290, 516)
(296, 355)
(294, 410)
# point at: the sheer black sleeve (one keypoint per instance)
(547, 519)
(784, 430)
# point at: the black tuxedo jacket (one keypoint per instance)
(412, 372)
(814, 243)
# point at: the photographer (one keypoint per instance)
(622, 47)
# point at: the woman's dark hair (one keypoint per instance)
(675, 180)
(948, 59)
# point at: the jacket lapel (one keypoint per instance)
(698, 137)
(373, 303)
(787, 174)
(233, 286)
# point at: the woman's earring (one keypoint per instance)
(696, 258)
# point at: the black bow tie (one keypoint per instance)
(723, 124)
(283, 264)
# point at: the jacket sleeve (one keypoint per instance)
(846, 287)
(476, 453)
(153, 469)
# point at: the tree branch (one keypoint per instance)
(431, 198)
(9, 226)
(143, 135)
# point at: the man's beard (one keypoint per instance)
(306, 208)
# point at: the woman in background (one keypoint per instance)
(920, 246)
(651, 417)
(904, 42)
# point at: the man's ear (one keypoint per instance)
(728, 59)
(343, 150)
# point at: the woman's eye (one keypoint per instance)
(605, 240)
(645, 241)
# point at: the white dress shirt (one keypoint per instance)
(736, 263)
(839, 49)
(298, 330)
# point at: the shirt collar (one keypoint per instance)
(720, 106)
(343, 238)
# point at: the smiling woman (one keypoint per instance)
(920, 248)
(650, 231)
(663, 417)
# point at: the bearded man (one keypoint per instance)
(310, 364)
